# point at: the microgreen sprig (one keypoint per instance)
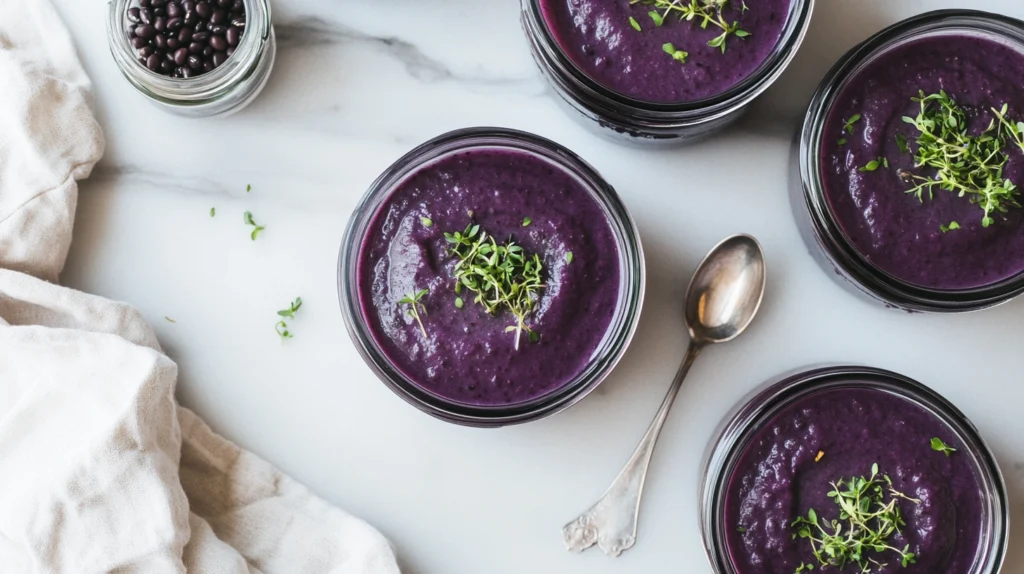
(256, 229)
(965, 164)
(281, 327)
(865, 524)
(704, 11)
(415, 307)
(501, 276)
(940, 446)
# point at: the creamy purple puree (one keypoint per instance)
(777, 479)
(598, 36)
(467, 356)
(895, 231)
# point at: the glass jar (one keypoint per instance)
(220, 92)
(820, 229)
(621, 327)
(740, 427)
(627, 120)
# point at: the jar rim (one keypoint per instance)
(716, 106)
(201, 88)
(775, 395)
(830, 235)
(619, 333)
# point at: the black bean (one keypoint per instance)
(225, 3)
(184, 35)
(144, 3)
(160, 42)
(218, 43)
(238, 6)
(219, 17)
(145, 31)
(191, 17)
(146, 51)
(195, 62)
(187, 73)
(160, 24)
(166, 66)
(201, 37)
(133, 15)
(174, 10)
(233, 35)
(145, 15)
(180, 56)
(159, 12)
(158, 3)
(139, 42)
(238, 22)
(169, 56)
(175, 23)
(153, 62)
(131, 30)
(218, 29)
(142, 61)
(230, 50)
(173, 43)
(188, 5)
(207, 67)
(204, 10)
(208, 51)
(219, 58)
(195, 48)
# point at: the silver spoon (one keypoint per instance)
(722, 299)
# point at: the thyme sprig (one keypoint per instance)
(502, 276)
(967, 165)
(704, 11)
(415, 307)
(865, 524)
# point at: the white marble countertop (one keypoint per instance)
(359, 82)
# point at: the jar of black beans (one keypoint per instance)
(193, 57)
(185, 38)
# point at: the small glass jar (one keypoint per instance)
(626, 120)
(220, 92)
(820, 229)
(620, 330)
(762, 405)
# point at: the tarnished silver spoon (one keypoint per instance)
(722, 299)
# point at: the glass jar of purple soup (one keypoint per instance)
(778, 463)
(491, 277)
(648, 72)
(871, 199)
(235, 42)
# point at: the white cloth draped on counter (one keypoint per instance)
(100, 469)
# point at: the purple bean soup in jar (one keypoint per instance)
(667, 51)
(921, 159)
(489, 277)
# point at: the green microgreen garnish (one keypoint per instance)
(427, 222)
(459, 303)
(804, 567)
(866, 521)
(502, 276)
(946, 228)
(412, 299)
(169, 320)
(677, 55)
(635, 24)
(940, 446)
(901, 142)
(874, 164)
(213, 211)
(841, 141)
(848, 124)
(247, 217)
(568, 257)
(281, 327)
(740, 529)
(706, 11)
(527, 221)
(966, 164)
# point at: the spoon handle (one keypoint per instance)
(611, 522)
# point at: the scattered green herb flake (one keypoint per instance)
(745, 8)
(415, 307)
(868, 516)
(740, 529)
(947, 228)
(968, 165)
(527, 221)
(502, 276)
(841, 141)
(247, 217)
(848, 124)
(426, 221)
(248, 188)
(256, 231)
(534, 337)
(635, 24)
(458, 300)
(213, 211)
(568, 257)
(656, 17)
(169, 320)
(940, 446)
(871, 166)
(885, 162)
(901, 142)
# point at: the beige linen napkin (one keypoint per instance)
(100, 469)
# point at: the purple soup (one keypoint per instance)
(787, 467)
(599, 37)
(467, 356)
(903, 236)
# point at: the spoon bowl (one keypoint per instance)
(726, 291)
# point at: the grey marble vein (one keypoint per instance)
(310, 31)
